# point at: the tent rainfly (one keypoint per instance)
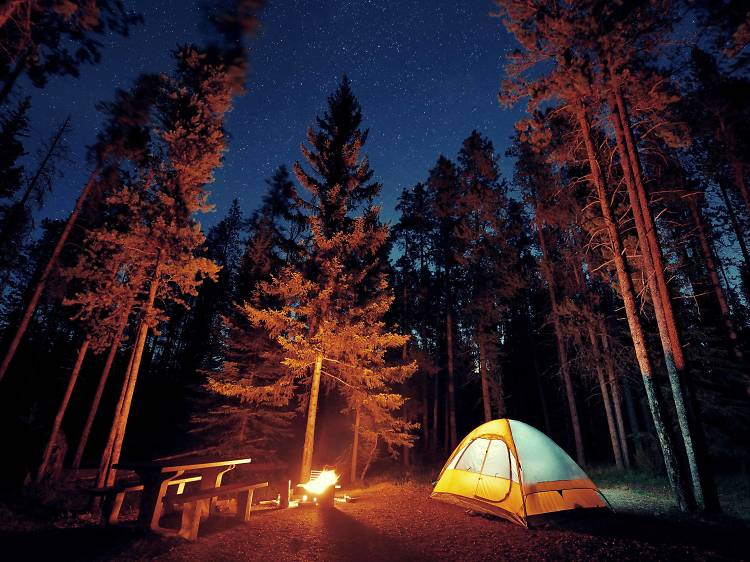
(509, 469)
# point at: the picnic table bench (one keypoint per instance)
(196, 504)
(158, 479)
(114, 496)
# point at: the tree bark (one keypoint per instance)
(355, 445)
(713, 277)
(104, 463)
(62, 409)
(485, 382)
(452, 434)
(369, 459)
(100, 388)
(312, 412)
(137, 355)
(661, 299)
(42, 281)
(636, 329)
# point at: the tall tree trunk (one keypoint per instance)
(674, 358)
(600, 378)
(370, 457)
(312, 412)
(631, 311)
(614, 385)
(62, 409)
(485, 382)
(100, 388)
(355, 444)
(133, 379)
(103, 476)
(452, 434)
(562, 352)
(42, 281)
(713, 276)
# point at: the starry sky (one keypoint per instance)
(425, 72)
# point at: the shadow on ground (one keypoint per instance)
(82, 543)
(720, 535)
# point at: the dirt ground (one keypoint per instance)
(399, 522)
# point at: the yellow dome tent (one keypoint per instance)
(509, 469)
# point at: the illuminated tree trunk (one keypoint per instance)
(312, 412)
(600, 378)
(137, 356)
(654, 269)
(370, 457)
(562, 352)
(452, 435)
(713, 276)
(636, 329)
(62, 409)
(355, 445)
(42, 281)
(614, 385)
(104, 463)
(100, 388)
(485, 382)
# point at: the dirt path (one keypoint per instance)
(395, 523)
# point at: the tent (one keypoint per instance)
(508, 468)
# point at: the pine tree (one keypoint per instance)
(328, 320)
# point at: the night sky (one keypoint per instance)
(425, 73)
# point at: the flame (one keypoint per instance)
(319, 484)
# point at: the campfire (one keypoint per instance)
(321, 488)
(320, 482)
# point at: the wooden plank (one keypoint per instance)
(171, 466)
(220, 491)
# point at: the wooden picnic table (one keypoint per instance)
(156, 476)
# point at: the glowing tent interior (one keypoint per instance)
(509, 469)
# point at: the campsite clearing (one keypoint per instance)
(399, 522)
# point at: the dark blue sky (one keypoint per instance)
(426, 74)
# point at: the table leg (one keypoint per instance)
(152, 504)
(212, 479)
